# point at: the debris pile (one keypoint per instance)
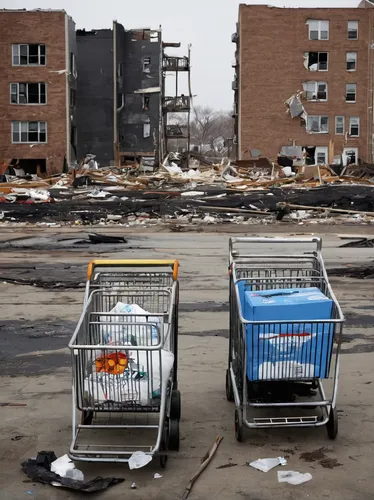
(246, 191)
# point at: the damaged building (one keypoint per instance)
(119, 92)
(38, 68)
(304, 83)
(67, 94)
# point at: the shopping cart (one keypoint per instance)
(124, 358)
(266, 376)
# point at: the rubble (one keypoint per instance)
(246, 191)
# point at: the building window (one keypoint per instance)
(29, 132)
(354, 126)
(146, 130)
(146, 65)
(28, 55)
(316, 61)
(153, 36)
(28, 93)
(350, 92)
(318, 30)
(339, 125)
(353, 30)
(351, 61)
(350, 156)
(73, 97)
(318, 124)
(315, 91)
(146, 100)
(73, 65)
(321, 155)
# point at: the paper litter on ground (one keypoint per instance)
(293, 477)
(266, 464)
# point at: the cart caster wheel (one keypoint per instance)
(86, 417)
(229, 391)
(173, 435)
(332, 424)
(239, 426)
(163, 461)
(175, 405)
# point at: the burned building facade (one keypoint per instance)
(119, 93)
(304, 78)
(38, 68)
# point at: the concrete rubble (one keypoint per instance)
(254, 191)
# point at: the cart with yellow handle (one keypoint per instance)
(124, 358)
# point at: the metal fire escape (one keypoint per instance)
(179, 103)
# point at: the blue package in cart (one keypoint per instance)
(276, 350)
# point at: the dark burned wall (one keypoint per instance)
(138, 74)
(95, 94)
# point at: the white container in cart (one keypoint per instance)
(287, 350)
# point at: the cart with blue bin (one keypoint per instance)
(285, 335)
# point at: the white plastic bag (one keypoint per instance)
(64, 467)
(293, 477)
(139, 459)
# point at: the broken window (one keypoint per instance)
(318, 30)
(354, 126)
(350, 92)
(28, 55)
(146, 65)
(146, 130)
(146, 100)
(28, 93)
(353, 30)
(153, 36)
(351, 61)
(316, 61)
(321, 155)
(318, 124)
(25, 132)
(339, 125)
(315, 91)
(350, 156)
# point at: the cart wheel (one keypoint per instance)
(86, 417)
(175, 405)
(239, 425)
(332, 424)
(173, 435)
(229, 391)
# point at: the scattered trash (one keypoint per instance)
(226, 466)
(293, 477)
(266, 464)
(133, 486)
(64, 467)
(39, 469)
(139, 459)
(156, 475)
(29, 492)
(17, 438)
(204, 463)
(21, 405)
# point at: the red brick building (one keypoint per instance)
(320, 58)
(37, 88)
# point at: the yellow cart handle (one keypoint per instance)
(174, 264)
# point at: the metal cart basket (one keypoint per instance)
(124, 358)
(264, 397)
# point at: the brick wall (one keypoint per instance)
(34, 27)
(271, 46)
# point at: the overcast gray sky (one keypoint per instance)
(206, 24)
